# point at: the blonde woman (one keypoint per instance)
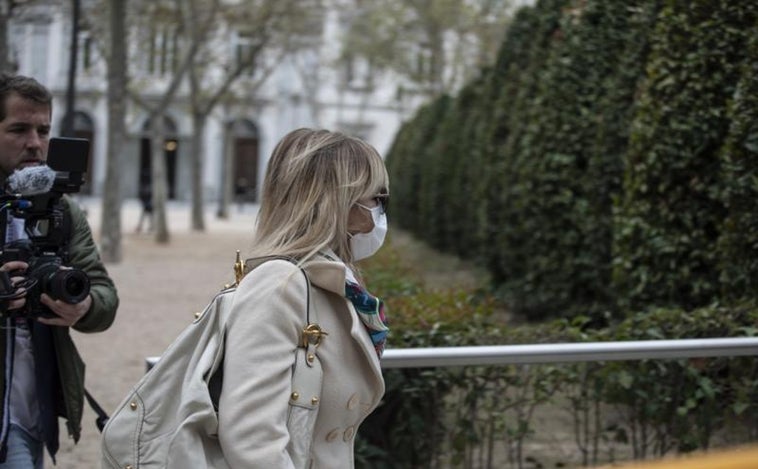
(323, 207)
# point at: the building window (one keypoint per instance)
(15, 46)
(40, 46)
(161, 54)
(358, 73)
(245, 51)
(86, 51)
(424, 66)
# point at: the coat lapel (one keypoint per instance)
(330, 276)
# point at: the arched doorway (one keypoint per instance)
(245, 147)
(170, 150)
(84, 127)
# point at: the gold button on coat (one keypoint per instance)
(349, 433)
(353, 402)
(332, 435)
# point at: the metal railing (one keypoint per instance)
(563, 352)
(588, 352)
(568, 352)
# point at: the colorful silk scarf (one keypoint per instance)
(371, 311)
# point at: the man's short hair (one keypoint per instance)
(26, 87)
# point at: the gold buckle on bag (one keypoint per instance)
(239, 269)
(313, 334)
(239, 272)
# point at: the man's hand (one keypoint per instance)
(68, 314)
(15, 266)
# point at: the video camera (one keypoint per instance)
(34, 194)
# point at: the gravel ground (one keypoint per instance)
(160, 287)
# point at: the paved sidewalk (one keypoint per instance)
(160, 287)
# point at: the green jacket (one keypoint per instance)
(83, 255)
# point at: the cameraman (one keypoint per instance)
(38, 354)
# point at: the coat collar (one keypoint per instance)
(328, 272)
(325, 271)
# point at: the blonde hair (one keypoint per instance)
(312, 180)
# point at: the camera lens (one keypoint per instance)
(70, 286)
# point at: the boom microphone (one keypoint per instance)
(31, 180)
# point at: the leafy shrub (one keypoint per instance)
(407, 162)
(739, 232)
(410, 424)
(464, 416)
(681, 404)
(556, 231)
(606, 160)
(669, 219)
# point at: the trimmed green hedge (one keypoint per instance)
(407, 166)
(606, 162)
(670, 216)
(556, 235)
(739, 156)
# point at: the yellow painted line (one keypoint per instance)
(739, 458)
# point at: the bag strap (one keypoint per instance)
(311, 337)
(102, 417)
(312, 334)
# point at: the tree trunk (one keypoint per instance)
(68, 117)
(227, 173)
(159, 180)
(5, 15)
(198, 132)
(110, 226)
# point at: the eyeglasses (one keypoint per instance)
(382, 200)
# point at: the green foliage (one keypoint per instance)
(605, 162)
(739, 233)
(463, 417)
(446, 174)
(670, 217)
(605, 169)
(435, 45)
(555, 237)
(680, 404)
(515, 113)
(390, 275)
(410, 423)
(407, 163)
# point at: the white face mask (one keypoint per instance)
(365, 245)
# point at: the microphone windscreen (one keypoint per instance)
(31, 180)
